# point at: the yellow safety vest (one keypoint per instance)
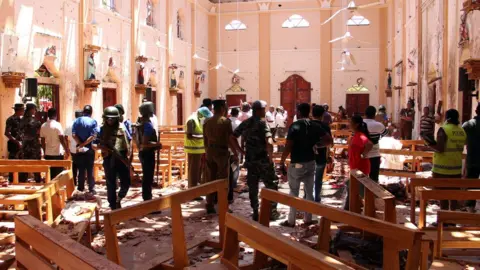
(194, 146)
(450, 161)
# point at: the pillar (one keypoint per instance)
(134, 97)
(325, 59)
(264, 55)
(382, 56)
(445, 73)
(194, 100)
(81, 41)
(212, 55)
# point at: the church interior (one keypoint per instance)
(391, 54)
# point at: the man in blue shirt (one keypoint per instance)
(84, 131)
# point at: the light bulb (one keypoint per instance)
(347, 34)
(218, 66)
(236, 71)
(158, 43)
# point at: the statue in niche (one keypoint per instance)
(91, 67)
(181, 80)
(464, 31)
(47, 69)
(173, 77)
(150, 13)
(202, 79)
(179, 26)
(389, 80)
(140, 77)
(152, 80)
(111, 76)
(197, 83)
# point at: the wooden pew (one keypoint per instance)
(372, 190)
(40, 247)
(395, 237)
(51, 195)
(422, 183)
(468, 241)
(16, 169)
(167, 128)
(275, 245)
(173, 201)
(66, 164)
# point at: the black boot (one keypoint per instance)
(255, 215)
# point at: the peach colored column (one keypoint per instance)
(382, 57)
(264, 56)
(325, 59)
(193, 99)
(212, 55)
(405, 90)
(445, 74)
(81, 41)
(170, 119)
(133, 53)
(419, 50)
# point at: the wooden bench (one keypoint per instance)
(40, 247)
(274, 244)
(372, 190)
(66, 164)
(16, 169)
(173, 201)
(420, 185)
(395, 237)
(469, 239)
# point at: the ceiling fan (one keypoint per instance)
(347, 36)
(352, 7)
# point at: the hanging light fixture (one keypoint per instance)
(238, 47)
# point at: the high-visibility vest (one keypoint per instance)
(450, 161)
(194, 146)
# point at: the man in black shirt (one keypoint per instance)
(321, 152)
(472, 129)
(303, 135)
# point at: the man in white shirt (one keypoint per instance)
(234, 168)
(270, 118)
(246, 112)
(376, 131)
(72, 146)
(53, 141)
(281, 122)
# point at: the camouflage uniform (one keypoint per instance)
(31, 147)
(257, 162)
(13, 125)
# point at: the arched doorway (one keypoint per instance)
(293, 91)
(358, 99)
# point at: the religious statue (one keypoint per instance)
(173, 77)
(152, 80)
(91, 67)
(197, 83)
(150, 13)
(235, 79)
(181, 80)
(464, 32)
(179, 26)
(140, 77)
(202, 79)
(47, 69)
(389, 81)
(111, 75)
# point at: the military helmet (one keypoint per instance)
(120, 108)
(147, 108)
(111, 112)
(381, 107)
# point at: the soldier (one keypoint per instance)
(126, 123)
(12, 132)
(258, 140)
(112, 140)
(147, 142)
(217, 133)
(30, 130)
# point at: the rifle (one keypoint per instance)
(116, 154)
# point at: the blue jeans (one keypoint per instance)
(319, 170)
(297, 173)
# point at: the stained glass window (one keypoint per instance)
(295, 21)
(235, 25)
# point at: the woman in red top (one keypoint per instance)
(359, 146)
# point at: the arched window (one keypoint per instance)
(295, 21)
(358, 20)
(150, 11)
(235, 25)
(109, 4)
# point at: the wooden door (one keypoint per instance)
(109, 97)
(235, 100)
(357, 103)
(180, 109)
(48, 96)
(466, 106)
(293, 91)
